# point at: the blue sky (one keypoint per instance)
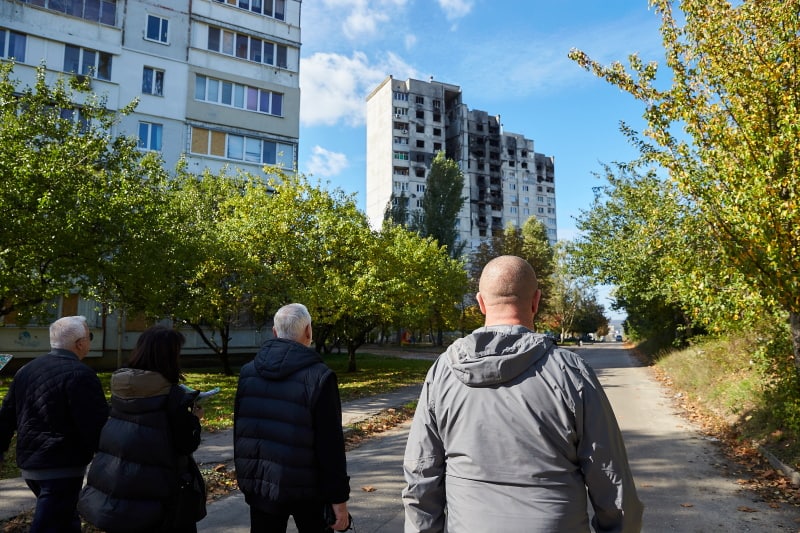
(508, 57)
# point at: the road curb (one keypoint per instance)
(787, 470)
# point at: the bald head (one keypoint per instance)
(508, 291)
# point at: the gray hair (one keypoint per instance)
(291, 321)
(66, 331)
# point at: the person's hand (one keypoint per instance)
(197, 410)
(342, 517)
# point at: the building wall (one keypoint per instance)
(501, 169)
(181, 57)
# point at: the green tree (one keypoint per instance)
(68, 186)
(671, 275)
(734, 93)
(441, 204)
(216, 281)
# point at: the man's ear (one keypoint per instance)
(274, 332)
(481, 303)
(537, 296)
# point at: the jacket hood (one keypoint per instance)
(495, 354)
(279, 358)
(130, 383)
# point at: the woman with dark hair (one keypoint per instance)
(145, 457)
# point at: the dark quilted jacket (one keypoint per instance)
(133, 479)
(56, 405)
(288, 443)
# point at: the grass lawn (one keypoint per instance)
(375, 375)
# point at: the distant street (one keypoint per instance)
(680, 475)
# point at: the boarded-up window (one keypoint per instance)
(218, 143)
(199, 141)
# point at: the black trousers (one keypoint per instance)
(307, 518)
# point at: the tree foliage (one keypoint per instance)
(734, 94)
(69, 194)
(441, 204)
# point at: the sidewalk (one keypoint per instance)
(231, 512)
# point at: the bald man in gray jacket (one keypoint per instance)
(511, 433)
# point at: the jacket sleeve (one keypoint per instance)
(184, 425)
(424, 470)
(604, 462)
(334, 483)
(88, 408)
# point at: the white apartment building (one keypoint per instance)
(505, 180)
(217, 80)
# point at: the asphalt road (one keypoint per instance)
(683, 480)
(686, 484)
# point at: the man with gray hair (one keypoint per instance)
(288, 441)
(57, 407)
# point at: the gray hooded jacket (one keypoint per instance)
(509, 434)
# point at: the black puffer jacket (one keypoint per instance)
(134, 476)
(57, 406)
(288, 442)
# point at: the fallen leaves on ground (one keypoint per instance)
(751, 469)
(379, 423)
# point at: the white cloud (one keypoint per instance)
(362, 18)
(334, 87)
(325, 164)
(410, 41)
(456, 9)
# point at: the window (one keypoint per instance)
(242, 148)
(247, 48)
(400, 111)
(157, 29)
(421, 114)
(512, 210)
(437, 132)
(419, 100)
(540, 199)
(437, 147)
(153, 81)
(514, 197)
(150, 136)
(403, 97)
(419, 172)
(240, 96)
(402, 156)
(270, 8)
(401, 140)
(526, 211)
(87, 62)
(420, 128)
(420, 187)
(526, 200)
(103, 11)
(525, 187)
(401, 185)
(420, 143)
(512, 186)
(12, 45)
(437, 117)
(437, 104)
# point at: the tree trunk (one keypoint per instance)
(794, 328)
(351, 357)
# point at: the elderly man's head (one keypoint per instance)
(293, 321)
(508, 291)
(71, 333)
